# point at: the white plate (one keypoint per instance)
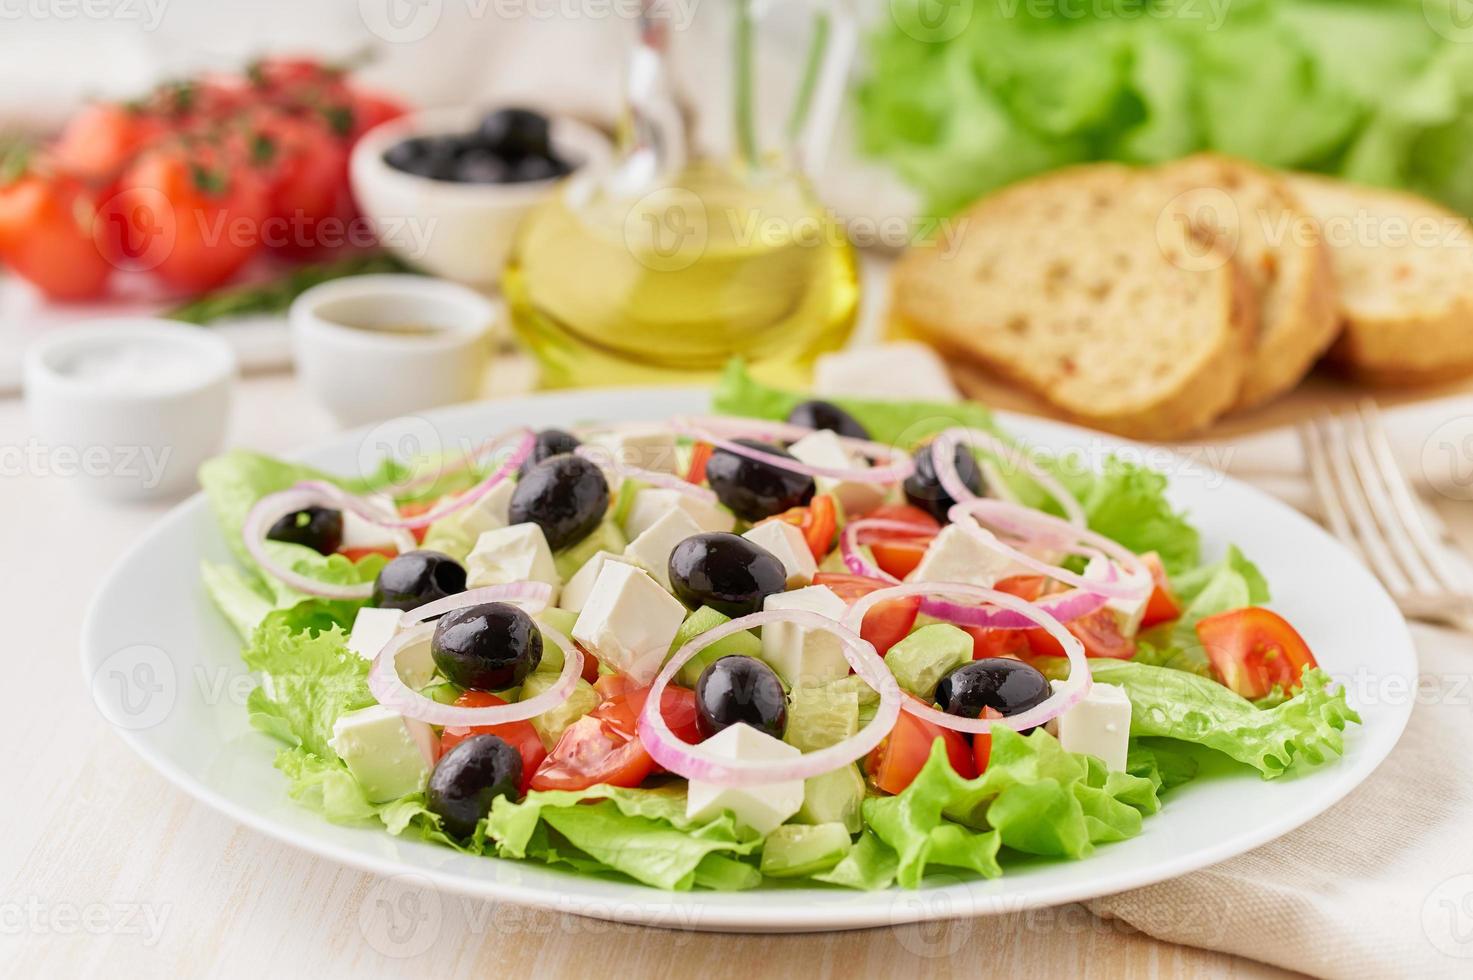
(164, 667)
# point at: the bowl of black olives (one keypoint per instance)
(446, 188)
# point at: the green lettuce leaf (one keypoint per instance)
(1034, 798)
(1307, 729)
(312, 678)
(1232, 582)
(642, 833)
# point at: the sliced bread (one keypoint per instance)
(1078, 287)
(1404, 275)
(1277, 246)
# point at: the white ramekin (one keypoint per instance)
(361, 373)
(128, 441)
(458, 231)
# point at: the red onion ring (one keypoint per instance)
(272, 508)
(1063, 606)
(1069, 693)
(343, 500)
(943, 458)
(897, 467)
(1025, 522)
(391, 691)
(697, 762)
(654, 478)
(849, 546)
(533, 597)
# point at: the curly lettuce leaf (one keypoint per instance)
(1034, 798)
(642, 833)
(1307, 729)
(311, 679)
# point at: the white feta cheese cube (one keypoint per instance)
(358, 533)
(580, 586)
(487, 514)
(629, 621)
(899, 370)
(961, 554)
(802, 655)
(389, 755)
(652, 503)
(786, 542)
(1128, 613)
(763, 807)
(823, 448)
(651, 550)
(518, 553)
(1098, 726)
(651, 448)
(373, 628)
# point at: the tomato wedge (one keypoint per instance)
(358, 554)
(991, 642)
(677, 704)
(1098, 631)
(1028, 587)
(414, 510)
(818, 521)
(888, 622)
(593, 751)
(699, 457)
(898, 552)
(1163, 606)
(982, 744)
(895, 762)
(1253, 649)
(520, 735)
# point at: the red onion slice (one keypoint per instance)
(272, 508)
(667, 481)
(344, 500)
(391, 691)
(849, 546)
(895, 467)
(1026, 523)
(943, 458)
(1063, 606)
(532, 597)
(1065, 696)
(697, 762)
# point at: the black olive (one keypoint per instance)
(826, 415)
(318, 528)
(481, 166)
(415, 578)
(740, 689)
(435, 157)
(923, 488)
(565, 495)
(726, 572)
(1006, 686)
(469, 778)
(549, 443)
(753, 489)
(487, 647)
(515, 133)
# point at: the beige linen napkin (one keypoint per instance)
(1382, 884)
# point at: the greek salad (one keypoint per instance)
(847, 641)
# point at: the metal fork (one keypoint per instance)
(1369, 505)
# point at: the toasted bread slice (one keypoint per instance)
(1404, 275)
(1080, 287)
(1277, 246)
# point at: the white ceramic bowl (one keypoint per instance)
(458, 231)
(128, 408)
(351, 358)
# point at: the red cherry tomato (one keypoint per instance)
(898, 553)
(1028, 587)
(699, 457)
(593, 751)
(306, 174)
(895, 762)
(1253, 649)
(982, 744)
(46, 236)
(100, 141)
(888, 622)
(988, 642)
(190, 215)
(677, 705)
(1163, 605)
(520, 735)
(371, 109)
(1098, 631)
(358, 554)
(818, 521)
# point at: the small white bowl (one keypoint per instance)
(129, 408)
(351, 358)
(459, 231)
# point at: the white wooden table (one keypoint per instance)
(107, 869)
